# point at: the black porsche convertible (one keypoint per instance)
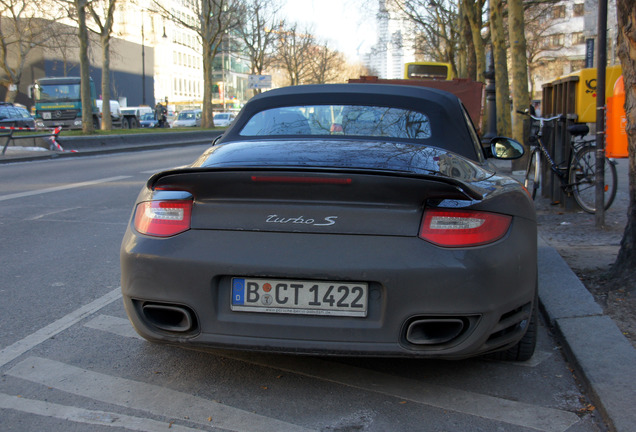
(344, 219)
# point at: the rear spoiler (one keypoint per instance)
(468, 190)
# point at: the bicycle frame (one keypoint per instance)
(576, 174)
(554, 167)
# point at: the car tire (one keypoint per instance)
(124, 123)
(134, 124)
(524, 349)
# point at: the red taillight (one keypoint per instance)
(163, 218)
(461, 228)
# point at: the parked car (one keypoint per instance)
(134, 114)
(307, 228)
(148, 120)
(12, 115)
(223, 119)
(188, 118)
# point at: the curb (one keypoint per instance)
(592, 342)
(106, 144)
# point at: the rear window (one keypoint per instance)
(187, 115)
(347, 120)
(10, 112)
(23, 113)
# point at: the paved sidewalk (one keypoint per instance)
(602, 356)
(595, 346)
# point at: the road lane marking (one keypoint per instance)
(150, 398)
(114, 325)
(92, 417)
(61, 188)
(484, 406)
(55, 212)
(446, 398)
(18, 348)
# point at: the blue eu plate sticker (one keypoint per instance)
(238, 291)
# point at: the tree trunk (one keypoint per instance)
(207, 116)
(87, 106)
(107, 123)
(501, 67)
(624, 269)
(470, 60)
(11, 94)
(472, 9)
(518, 54)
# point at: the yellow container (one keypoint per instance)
(576, 93)
(585, 106)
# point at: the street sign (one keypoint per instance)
(589, 53)
(259, 81)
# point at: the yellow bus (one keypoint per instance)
(428, 70)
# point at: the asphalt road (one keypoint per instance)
(70, 361)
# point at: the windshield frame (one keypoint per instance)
(73, 93)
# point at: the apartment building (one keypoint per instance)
(565, 40)
(559, 36)
(393, 47)
(178, 60)
(152, 58)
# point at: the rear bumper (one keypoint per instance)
(489, 289)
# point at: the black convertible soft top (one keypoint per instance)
(446, 114)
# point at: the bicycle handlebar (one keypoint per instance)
(540, 119)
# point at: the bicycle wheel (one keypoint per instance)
(583, 179)
(532, 181)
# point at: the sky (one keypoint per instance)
(346, 25)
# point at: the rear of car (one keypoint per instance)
(223, 119)
(148, 120)
(188, 118)
(283, 238)
(15, 116)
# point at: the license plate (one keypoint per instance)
(300, 297)
(46, 115)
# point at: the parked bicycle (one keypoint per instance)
(577, 175)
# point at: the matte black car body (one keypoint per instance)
(341, 210)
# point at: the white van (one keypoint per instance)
(223, 119)
(115, 111)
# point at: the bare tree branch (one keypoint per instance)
(22, 29)
(211, 20)
(257, 35)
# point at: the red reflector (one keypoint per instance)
(299, 179)
(163, 218)
(461, 228)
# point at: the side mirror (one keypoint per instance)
(506, 148)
